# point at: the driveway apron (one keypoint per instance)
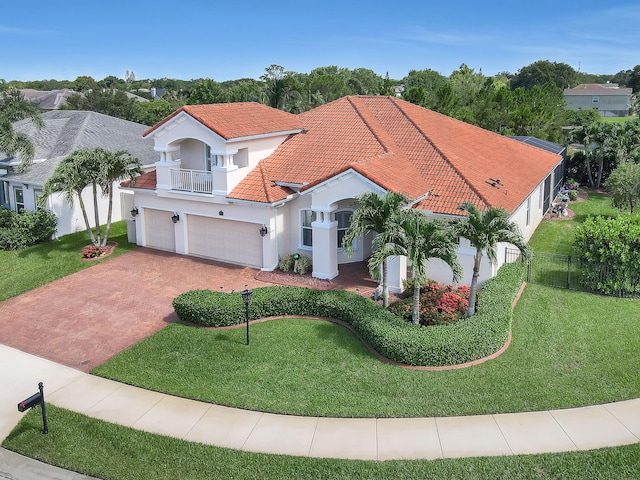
(84, 319)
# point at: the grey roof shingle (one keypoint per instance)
(67, 130)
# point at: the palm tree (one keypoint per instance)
(95, 168)
(69, 178)
(374, 215)
(14, 107)
(116, 166)
(419, 239)
(485, 229)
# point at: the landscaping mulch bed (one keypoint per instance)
(279, 277)
(108, 250)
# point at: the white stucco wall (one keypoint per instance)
(70, 219)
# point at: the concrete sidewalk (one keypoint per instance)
(553, 431)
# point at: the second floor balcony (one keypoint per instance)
(195, 181)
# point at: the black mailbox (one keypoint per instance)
(32, 401)
(35, 400)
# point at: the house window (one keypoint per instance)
(308, 216)
(18, 195)
(343, 217)
(36, 197)
(528, 211)
(595, 99)
(207, 157)
(541, 197)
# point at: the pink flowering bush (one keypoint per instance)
(93, 251)
(439, 304)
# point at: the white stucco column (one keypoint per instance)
(397, 273)
(164, 167)
(325, 245)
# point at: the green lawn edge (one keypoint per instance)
(104, 450)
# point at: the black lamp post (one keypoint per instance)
(246, 298)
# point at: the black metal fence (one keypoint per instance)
(565, 271)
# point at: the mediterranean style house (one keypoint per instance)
(608, 99)
(248, 184)
(64, 132)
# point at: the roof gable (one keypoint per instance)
(238, 120)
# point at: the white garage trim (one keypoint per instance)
(225, 240)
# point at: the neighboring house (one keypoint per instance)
(247, 184)
(64, 132)
(47, 100)
(609, 99)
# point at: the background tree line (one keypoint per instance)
(529, 102)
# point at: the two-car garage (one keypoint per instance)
(214, 238)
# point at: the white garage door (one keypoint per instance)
(160, 230)
(225, 240)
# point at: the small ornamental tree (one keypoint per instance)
(624, 185)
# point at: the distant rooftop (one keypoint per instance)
(598, 89)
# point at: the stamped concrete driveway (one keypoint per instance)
(84, 319)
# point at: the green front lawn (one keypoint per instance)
(113, 452)
(569, 349)
(31, 267)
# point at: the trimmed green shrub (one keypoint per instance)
(464, 341)
(609, 252)
(573, 195)
(286, 264)
(302, 264)
(19, 230)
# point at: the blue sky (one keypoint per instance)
(234, 39)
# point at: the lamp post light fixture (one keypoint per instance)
(246, 298)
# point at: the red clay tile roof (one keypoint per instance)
(237, 120)
(146, 180)
(402, 147)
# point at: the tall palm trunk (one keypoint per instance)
(474, 284)
(600, 169)
(96, 214)
(415, 307)
(86, 219)
(108, 227)
(385, 284)
(587, 161)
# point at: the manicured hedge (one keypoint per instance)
(609, 253)
(467, 340)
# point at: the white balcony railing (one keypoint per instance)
(196, 181)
